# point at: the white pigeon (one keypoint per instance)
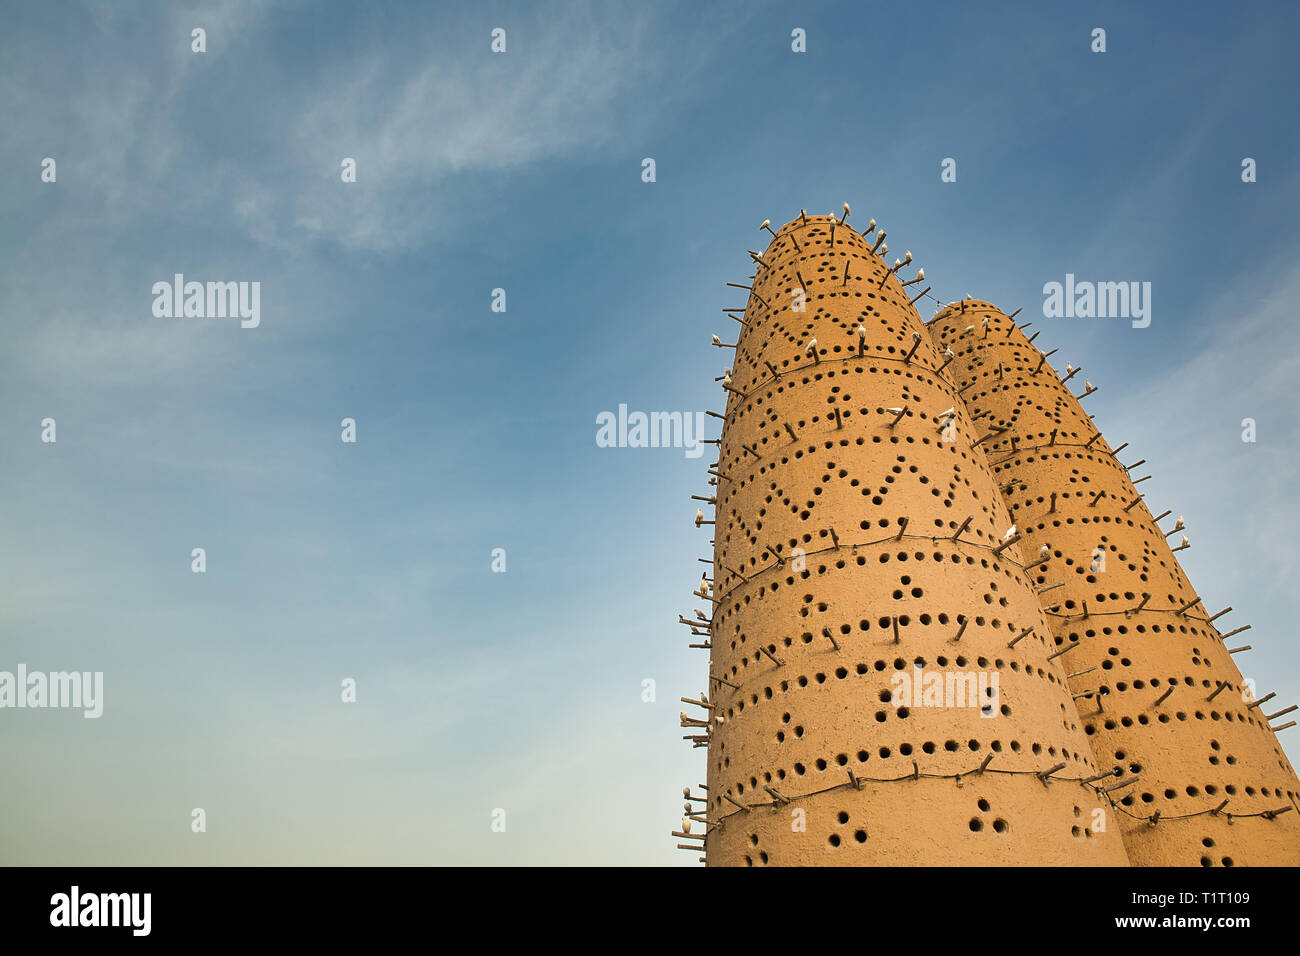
(1011, 533)
(717, 341)
(812, 345)
(1044, 551)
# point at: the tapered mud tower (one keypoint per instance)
(1156, 687)
(881, 689)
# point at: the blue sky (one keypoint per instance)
(476, 429)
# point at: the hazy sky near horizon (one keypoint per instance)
(476, 429)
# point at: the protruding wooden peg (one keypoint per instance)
(964, 525)
(1263, 700)
(1282, 713)
(1044, 774)
(962, 620)
(1100, 776)
(1021, 636)
(1069, 646)
(894, 622)
(776, 795)
(1122, 784)
(1238, 650)
(1214, 617)
(902, 526)
(1244, 627)
(988, 759)
(916, 344)
(730, 799)
(826, 633)
(1218, 690)
(997, 552)
(1161, 699)
(899, 416)
(775, 660)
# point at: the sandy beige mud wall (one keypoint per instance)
(1157, 691)
(842, 559)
